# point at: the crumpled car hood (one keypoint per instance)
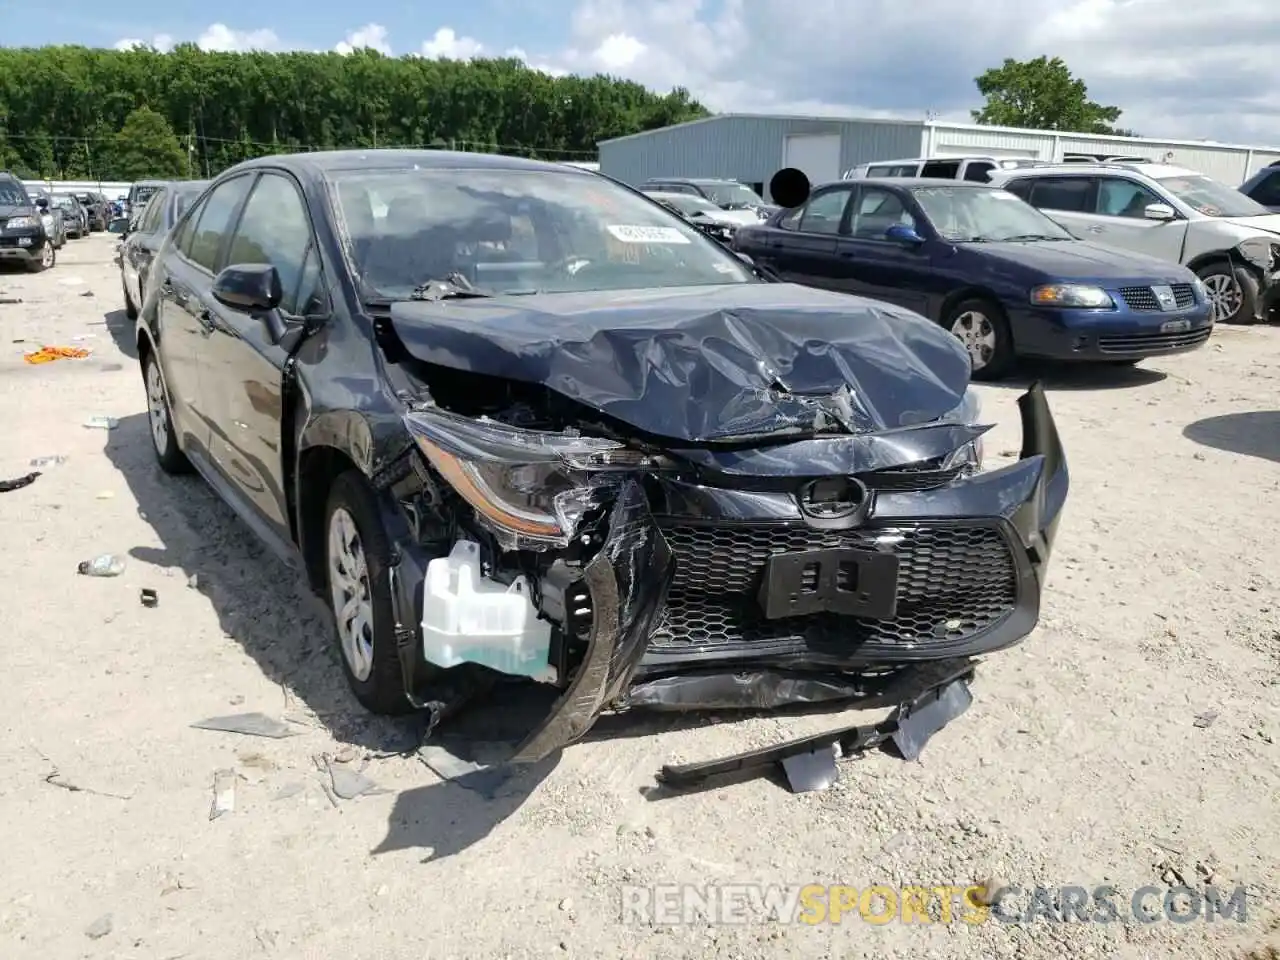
(706, 364)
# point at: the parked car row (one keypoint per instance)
(464, 389)
(29, 227)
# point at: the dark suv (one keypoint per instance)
(99, 210)
(1264, 187)
(22, 234)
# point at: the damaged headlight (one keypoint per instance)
(527, 484)
(969, 411)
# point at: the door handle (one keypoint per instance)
(775, 244)
(846, 254)
(1095, 229)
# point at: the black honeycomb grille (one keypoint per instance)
(1144, 298)
(955, 582)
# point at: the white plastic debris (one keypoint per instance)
(468, 618)
(224, 794)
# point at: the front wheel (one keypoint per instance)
(358, 575)
(48, 257)
(164, 439)
(982, 329)
(1233, 292)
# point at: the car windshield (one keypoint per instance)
(142, 194)
(1211, 198)
(63, 201)
(12, 194)
(503, 231)
(730, 195)
(974, 215)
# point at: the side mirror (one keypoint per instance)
(118, 225)
(42, 203)
(901, 233)
(253, 288)
(1159, 211)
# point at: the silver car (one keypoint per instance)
(1231, 242)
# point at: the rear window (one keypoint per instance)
(1068, 194)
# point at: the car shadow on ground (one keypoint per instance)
(1078, 376)
(1254, 434)
(122, 332)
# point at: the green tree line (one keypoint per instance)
(64, 110)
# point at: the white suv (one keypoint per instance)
(1230, 241)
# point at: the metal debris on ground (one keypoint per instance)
(347, 784)
(99, 928)
(19, 482)
(149, 597)
(1206, 719)
(102, 423)
(106, 565)
(54, 461)
(224, 793)
(10, 301)
(48, 354)
(249, 724)
(482, 778)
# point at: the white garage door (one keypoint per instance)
(817, 154)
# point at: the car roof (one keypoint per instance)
(673, 196)
(1154, 170)
(909, 182)
(322, 162)
(694, 180)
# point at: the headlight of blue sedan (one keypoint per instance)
(1071, 295)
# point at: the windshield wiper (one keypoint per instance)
(453, 287)
(1029, 236)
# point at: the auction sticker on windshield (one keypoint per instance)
(632, 234)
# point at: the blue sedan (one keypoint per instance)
(1000, 275)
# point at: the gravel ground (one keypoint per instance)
(1089, 757)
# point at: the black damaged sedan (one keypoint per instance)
(514, 419)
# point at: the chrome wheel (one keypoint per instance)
(978, 335)
(157, 408)
(1225, 295)
(47, 255)
(352, 593)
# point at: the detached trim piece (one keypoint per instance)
(909, 727)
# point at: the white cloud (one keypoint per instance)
(447, 45)
(1176, 69)
(222, 38)
(161, 41)
(371, 35)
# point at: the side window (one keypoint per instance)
(309, 299)
(1267, 190)
(274, 229)
(155, 209)
(182, 239)
(1020, 188)
(878, 210)
(215, 220)
(944, 169)
(791, 221)
(1118, 197)
(1068, 194)
(887, 170)
(979, 171)
(824, 212)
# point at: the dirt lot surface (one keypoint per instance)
(1133, 740)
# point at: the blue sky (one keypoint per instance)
(1194, 71)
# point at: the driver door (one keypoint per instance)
(244, 370)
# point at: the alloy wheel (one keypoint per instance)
(1225, 296)
(352, 593)
(157, 408)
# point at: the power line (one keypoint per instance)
(451, 142)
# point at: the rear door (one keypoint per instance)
(243, 370)
(802, 247)
(1070, 200)
(182, 284)
(874, 266)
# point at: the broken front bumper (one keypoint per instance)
(629, 580)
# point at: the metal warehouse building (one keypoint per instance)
(752, 148)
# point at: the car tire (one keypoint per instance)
(983, 330)
(164, 439)
(1236, 284)
(130, 308)
(357, 563)
(48, 257)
